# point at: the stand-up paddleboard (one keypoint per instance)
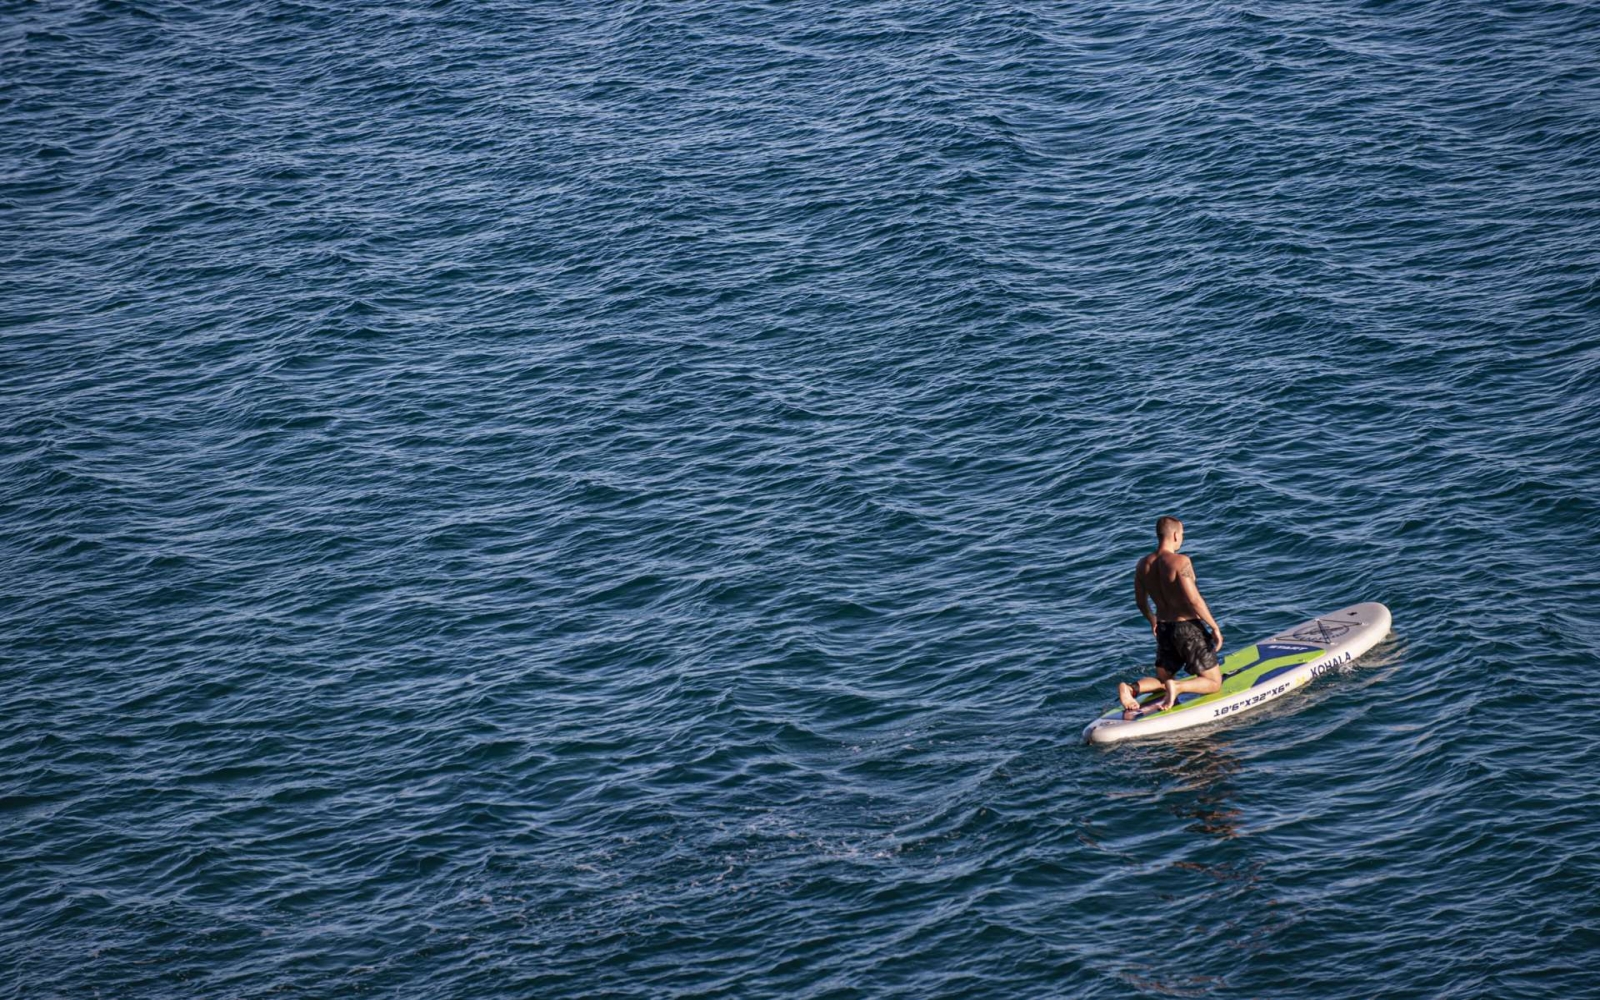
(1256, 674)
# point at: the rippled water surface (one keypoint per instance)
(639, 500)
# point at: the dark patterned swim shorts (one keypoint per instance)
(1184, 645)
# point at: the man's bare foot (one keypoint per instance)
(1172, 695)
(1127, 696)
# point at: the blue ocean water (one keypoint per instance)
(639, 500)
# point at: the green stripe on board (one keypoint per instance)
(1239, 659)
(1240, 669)
(1242, 680)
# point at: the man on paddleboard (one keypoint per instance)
(1166, 580)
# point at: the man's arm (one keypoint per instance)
(1142, 598)
(1191, 590)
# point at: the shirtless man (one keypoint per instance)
(1167, 580)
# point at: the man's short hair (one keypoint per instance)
(1167, 526)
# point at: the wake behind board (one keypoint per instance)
(1256, 674)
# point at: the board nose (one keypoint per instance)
(1367, 613)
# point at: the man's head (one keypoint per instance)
(1169, 529)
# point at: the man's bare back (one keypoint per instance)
(1162, 576)
(1165, 588)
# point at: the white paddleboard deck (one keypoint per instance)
(1255, 674)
